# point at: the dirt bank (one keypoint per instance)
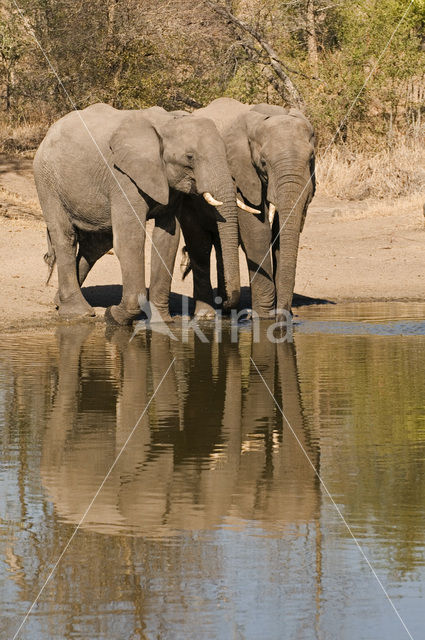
(348, 251)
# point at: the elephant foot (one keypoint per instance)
(284, 316)
(163, 317)
(231, 302)
(283, 311)
(117, 315)
(159, 313)
(75, 305)
(204, 310)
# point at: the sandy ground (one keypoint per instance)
(349, 251)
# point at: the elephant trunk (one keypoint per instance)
(292, 191)
(229, 240)
(219, 184)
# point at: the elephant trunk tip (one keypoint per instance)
(185, 264)
(232, 300)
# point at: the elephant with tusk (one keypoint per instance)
(270, 151)
(101, 173)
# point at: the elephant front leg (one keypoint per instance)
(255, 239)
(129, 245)
(165, 242)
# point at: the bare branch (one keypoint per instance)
(187, 100)
(291, 93)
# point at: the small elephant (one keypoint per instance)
(270, 151)
(101, 173)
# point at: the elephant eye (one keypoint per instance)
(189, 157)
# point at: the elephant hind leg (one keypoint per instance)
(63, 239)
(92, 245)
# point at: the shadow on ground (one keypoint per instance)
(14, 163)
(298, 300)
(107, 295)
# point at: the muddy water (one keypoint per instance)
(185, 507)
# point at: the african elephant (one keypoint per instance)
(270, 151)
(101, 173)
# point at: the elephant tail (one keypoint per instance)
(185, 265)
(49, 258)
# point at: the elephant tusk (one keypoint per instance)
(245, 207)
(212, 201)
(272, 211)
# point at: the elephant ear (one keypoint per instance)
(240, 160)
(137, 152)
(313, 190)
(313, 174)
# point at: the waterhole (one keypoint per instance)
(153, 488)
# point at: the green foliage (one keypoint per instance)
(247, 84)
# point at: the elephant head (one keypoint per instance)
(163, 151)
(270, 152)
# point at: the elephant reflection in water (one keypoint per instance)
(204, 446)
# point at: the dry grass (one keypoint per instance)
(390, 173)
(22, 137)
(13, 205)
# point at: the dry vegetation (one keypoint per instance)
(390, 173)
(182, 54)
(14, 205)
(21, 137)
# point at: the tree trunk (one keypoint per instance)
(9, 84)
(111, 6)
(313, 55)
(290, 91)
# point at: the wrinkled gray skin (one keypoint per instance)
(270, 151)
(152, 159)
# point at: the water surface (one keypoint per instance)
(213, 523)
